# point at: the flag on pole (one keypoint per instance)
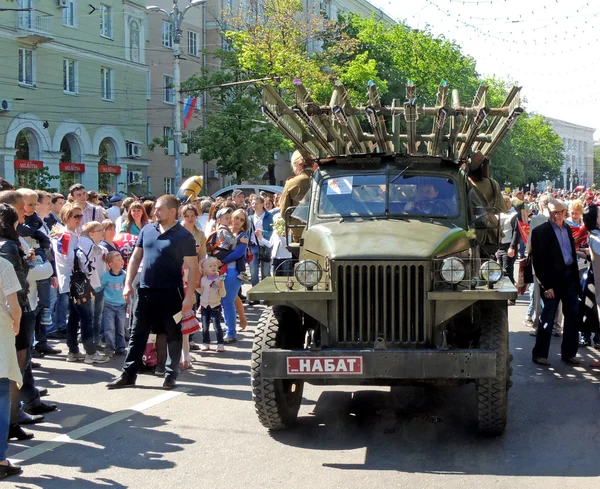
(188, 110)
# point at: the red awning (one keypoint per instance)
(28, 164)
(72, 167)
(110, 169)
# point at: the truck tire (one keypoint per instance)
(276, 401)
(492, 394)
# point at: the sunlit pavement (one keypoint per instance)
(205, 433)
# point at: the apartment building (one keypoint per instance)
(74, 90)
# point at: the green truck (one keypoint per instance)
(390, 283)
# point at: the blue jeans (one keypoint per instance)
(81, 315)
(531, 307)
(59, 314)
(28, 393)
(210, 314)
(97, 322)
(232, 287)
(265, 267)
(4, 416)
(114, 319)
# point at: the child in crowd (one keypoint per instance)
(115, 307)
(110, 232)
(91, 258)
(223, 242)
(212, 290)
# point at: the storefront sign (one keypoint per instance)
(110, 169)
(72, 167)
(28, 164)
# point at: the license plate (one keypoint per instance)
(324, 365)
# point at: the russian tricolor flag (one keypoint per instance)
(188, 110)
(62, 243)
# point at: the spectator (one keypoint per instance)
(160, 294)
(5, 185)
(81, 312)
(238, 198)
(149, 208)
(109, 230)
(212, 291)
(203, 207)
(58, 200)
(115, 307)
(189, 215)
(555, 263)
(509, 226)
(115, 211)
(261, 229)
(232, 283)
(135, 220)
(126, 204)
(90, 212)
(10, 319)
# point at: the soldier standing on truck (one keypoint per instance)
(486, 193)
(295, 189)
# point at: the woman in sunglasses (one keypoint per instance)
(65, 242)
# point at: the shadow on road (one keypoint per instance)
(552, 428)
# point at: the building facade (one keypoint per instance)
(74, 93)
(578, 154)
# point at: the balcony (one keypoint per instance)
(35, 27)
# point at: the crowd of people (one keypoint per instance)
(119, 277)
(556, 233)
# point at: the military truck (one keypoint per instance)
(390, 284)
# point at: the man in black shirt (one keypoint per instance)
(165, 246)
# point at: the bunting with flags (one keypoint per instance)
(188, 110)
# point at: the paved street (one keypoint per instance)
(205, 434)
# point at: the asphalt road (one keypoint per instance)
(205, 433)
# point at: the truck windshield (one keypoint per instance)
(372, 195)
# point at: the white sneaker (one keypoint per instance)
(528, 322)
(96, 358)
(220, 348)
(75, 357)
(204, 347)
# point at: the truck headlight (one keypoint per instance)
(452, 270)
(491, 272)
(308, 273)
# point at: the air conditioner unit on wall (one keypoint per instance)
(61, 3)
(135, 177)
(134, 150)
(5, 105)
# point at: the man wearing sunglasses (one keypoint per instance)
(555, 265)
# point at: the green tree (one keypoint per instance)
(531, 153)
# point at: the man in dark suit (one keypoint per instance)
(555, 265)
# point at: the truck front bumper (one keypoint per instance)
(378, 364)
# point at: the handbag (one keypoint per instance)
(189, 323)
(264, 254)
(81, 289)
(523, 274)
(249, 255)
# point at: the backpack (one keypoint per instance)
(81, 289)
(212, 243)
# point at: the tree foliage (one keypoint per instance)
(531, 153)
(597, 167)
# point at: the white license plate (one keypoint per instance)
(324, 365)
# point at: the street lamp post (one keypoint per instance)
(176, 18)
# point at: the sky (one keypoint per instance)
(549, 47)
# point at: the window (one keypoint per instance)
(169, 184)
(148, 86)
(192, 43)
(26, 66)
(167, 35)
(68, 14)
(148, 134)
(106, 21)
(134, 40)
(167, 133)
(168, 90)
(107, 80)
(70, 76)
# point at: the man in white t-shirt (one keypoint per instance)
(115, 211)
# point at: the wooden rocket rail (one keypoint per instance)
(335, 129)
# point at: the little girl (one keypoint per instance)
(212, 290)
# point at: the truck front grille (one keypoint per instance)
(382, 302)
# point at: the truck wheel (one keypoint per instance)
(276, 401)
(492, 394)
